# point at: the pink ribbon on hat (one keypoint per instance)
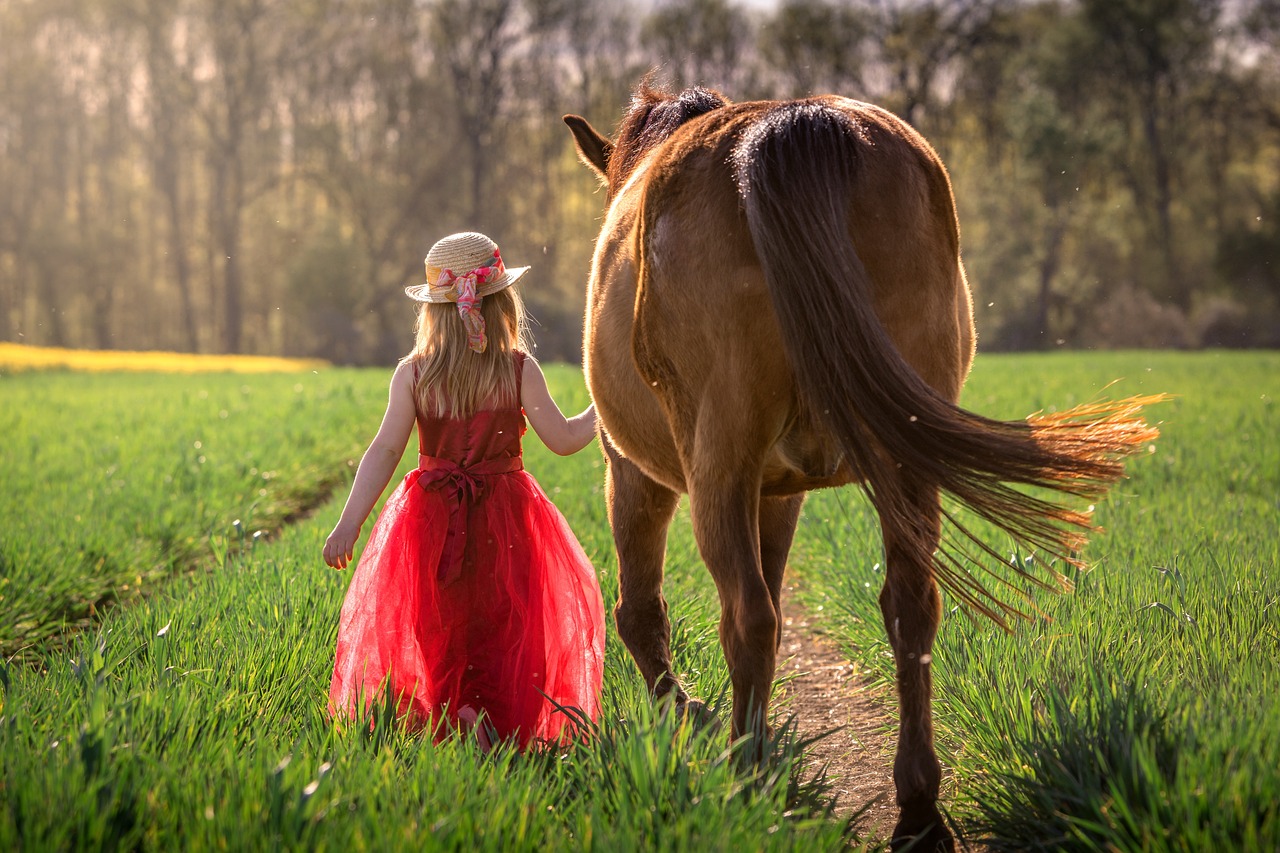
(462, 290)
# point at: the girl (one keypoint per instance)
(472, 599)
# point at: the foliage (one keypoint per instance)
(212, 176)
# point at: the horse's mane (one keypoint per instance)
(654, 114)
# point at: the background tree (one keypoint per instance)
(702, 41)
(266, 176)
(1155, 50)
(167, 137)
(919, 44)
(817, 46)
(474, 42)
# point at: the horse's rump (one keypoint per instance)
(702, 306)
(838, 217)
(797, 171)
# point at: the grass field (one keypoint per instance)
(1140, 713)
(1138, 716)
(116, 481)
(192, 718)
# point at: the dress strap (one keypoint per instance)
(519, 357)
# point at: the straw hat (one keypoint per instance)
(459, 256)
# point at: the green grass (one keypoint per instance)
(1140, 712)
(193, 718)
(1138, 715)
(113, 482)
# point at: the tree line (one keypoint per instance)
(265, 175)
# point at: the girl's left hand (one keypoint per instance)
(340, 545)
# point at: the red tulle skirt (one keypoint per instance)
(510, 627)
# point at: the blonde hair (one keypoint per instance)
(454, 381)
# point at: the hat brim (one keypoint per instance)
(422, 292)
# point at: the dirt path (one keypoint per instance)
(825, 691)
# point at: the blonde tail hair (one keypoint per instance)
(454, 381)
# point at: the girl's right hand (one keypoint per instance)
(340, 546)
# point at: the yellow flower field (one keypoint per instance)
(14, 357)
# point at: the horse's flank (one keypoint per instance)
(653, 368)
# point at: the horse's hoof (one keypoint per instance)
(697, 711)
(922, 832)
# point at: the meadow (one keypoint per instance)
(192, 715)
(1135, 714)
(1138, 712)
(114, 481)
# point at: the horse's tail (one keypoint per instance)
(794, 169)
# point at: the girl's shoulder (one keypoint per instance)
(407, 369)
(522, 360)
(526, 366)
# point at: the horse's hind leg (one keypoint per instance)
(778, 517)
(725, 506)
(640, 511)
(911, 606)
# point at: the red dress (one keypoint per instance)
(472, 592)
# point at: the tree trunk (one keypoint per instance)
(228, 198)
(165, 166)
(1163, 204)
(1048, 271)
(167, 177)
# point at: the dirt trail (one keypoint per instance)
(826, 691)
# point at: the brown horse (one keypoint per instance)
(777, 304)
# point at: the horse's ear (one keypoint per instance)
(593, 149)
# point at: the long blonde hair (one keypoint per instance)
(455, 382)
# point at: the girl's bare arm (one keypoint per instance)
(560, 434)
(376, 467)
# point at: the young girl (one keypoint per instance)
(472, 599)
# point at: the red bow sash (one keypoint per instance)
(465, 487)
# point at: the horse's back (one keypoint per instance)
(902, 224)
